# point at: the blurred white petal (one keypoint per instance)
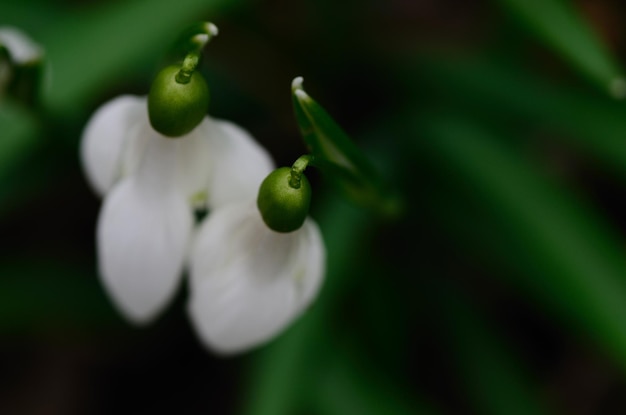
(238, 163)
(21, 48)
(143, 234)
(248, 282)
(195, 162)
(105, 138)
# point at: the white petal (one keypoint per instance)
(143, 234)
(194, 156)
(239, 164)
(106, 135)
(195, 161)
(21, 47)
(248, 282)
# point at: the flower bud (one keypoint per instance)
(283, 207)
(176, 108)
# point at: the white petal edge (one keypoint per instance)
(105, 138)
(238, 163)
(247, 282)
(21, 47)
(143, 234)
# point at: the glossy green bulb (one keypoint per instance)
(282, 207)
(177, 108)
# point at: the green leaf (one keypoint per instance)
(350, 383)
(594, 125)
(40, 293)
(559, 25)
(18, 136)
(493, 375)
(280, 374)
(91, 48)
(25, 85)
(567, 256)
(335, 154)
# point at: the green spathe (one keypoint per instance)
(284, 207)
(176, 108)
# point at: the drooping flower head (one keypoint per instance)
(151, 185)
(247, 282)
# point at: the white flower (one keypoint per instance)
(242, 293)
(249, 282)
(150, 183)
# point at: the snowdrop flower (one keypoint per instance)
(255, 268)
(247, 281)
(155, 161)
(150, 185)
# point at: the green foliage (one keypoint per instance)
(339, 158)
(559, 25)
(492, 179)
(492, 374)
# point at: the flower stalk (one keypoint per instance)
(298, 167)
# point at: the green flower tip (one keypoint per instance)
(297, 83)
(200, 40)
(283, 206)
(298, 89)
(208, 31)
(176, 108)
(211, 29)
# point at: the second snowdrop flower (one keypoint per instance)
(256, 267)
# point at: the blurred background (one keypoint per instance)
(500, 289)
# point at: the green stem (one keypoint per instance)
(298, 168)
(193, 57)
(189, 65)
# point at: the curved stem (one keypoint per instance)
(193, 57)
(189, 65)
(298, 169)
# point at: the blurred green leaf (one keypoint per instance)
(502, 92)
(40, 293)
(559, 25)
(18, 136)
(570, 259)
(339, 158)
(495, 378)
(30, 15)
(90, 48)
(26, 82)
(350, 383)
(279, 375)
(304, 366)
